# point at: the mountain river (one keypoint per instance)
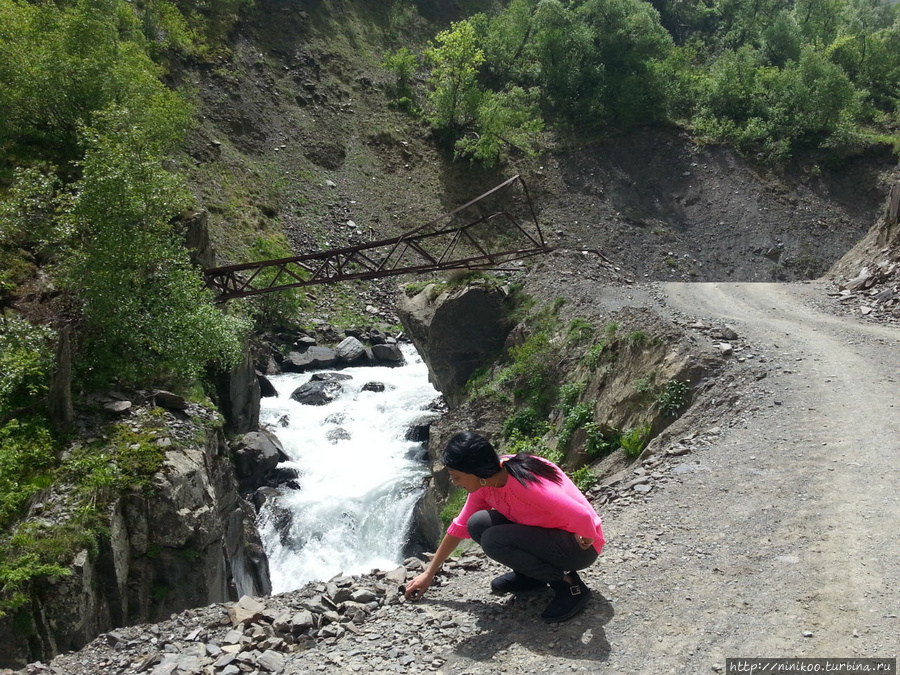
(359, 478)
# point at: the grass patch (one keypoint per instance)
(455, 501)
(579, 330)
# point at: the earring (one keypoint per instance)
(483, 482)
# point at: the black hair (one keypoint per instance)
(471, 453)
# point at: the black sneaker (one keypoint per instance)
(570, 599)
(513, 582)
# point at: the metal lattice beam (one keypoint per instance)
(463, 238)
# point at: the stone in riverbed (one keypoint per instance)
(317, 393)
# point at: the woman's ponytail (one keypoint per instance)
(528, 468)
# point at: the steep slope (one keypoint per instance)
(297, 137)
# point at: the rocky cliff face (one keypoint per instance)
(189, 540)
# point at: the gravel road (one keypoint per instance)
(778, 539)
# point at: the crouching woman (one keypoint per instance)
(526, 514)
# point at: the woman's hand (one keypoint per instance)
(416, 588)
(584, 542)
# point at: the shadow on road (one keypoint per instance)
(518, 625)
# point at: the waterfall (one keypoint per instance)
(359, 478)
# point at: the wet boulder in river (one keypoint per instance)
(317, 392)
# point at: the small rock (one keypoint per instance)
(118, 407)
(170, 401)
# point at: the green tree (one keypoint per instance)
(505, 120)
(507, 39)
(630, 43)
(782, 40)
(568, 70)
(455, 93)
(145, 314)
(59, 66)
(811, 99)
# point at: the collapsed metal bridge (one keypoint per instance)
(478, 235)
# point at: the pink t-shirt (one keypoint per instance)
(541, 504)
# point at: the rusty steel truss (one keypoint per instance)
(471, 236)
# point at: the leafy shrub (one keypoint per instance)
(531, 371)
(580, 415)
(403, 64)
(601, 439)
(644, 384)
(27, 458)
(569, 395)
(26, 359)
(673, 397)
(524, 423)
(533, 445)
(593, 356)
(633, 441)
(584, 479)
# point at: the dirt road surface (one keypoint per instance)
(780, 536)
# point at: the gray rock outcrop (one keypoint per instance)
(256, 456)
(239, 396)
(456, 332)
(188, 540)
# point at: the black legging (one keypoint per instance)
(537, 552)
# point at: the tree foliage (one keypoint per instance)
(144, 309)
(770, 76)
(81, 88)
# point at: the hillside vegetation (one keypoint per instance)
(119, 118)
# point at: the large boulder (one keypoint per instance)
(388, 353)
(256, 456)
(350, 349)
(456, 331)
(317, 392)
(311, 359)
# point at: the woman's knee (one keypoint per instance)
(478, 523)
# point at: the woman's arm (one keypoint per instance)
(416, 588)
